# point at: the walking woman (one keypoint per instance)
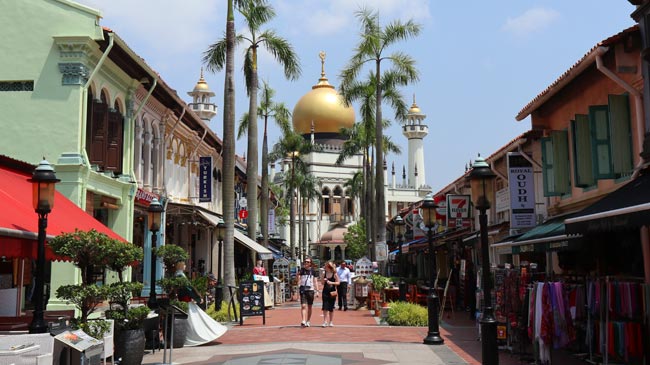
(307, 279)
(330, 284)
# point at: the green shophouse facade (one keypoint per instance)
(67, 93)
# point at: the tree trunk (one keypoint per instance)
(264, 195)
(292, 213)
(252, 159)
(380, 232)
(228, 185)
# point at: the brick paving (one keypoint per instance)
(282, 331)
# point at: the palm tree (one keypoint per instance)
(360, 138)
(374, 42)
(228, 148)
(279, 112)
(354, 189)
(256, 13)
(292, 146)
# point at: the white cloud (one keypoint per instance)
(533, 20)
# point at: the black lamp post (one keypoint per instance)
(429, 216)
(399, 226)
(43, 181)
(481, 179)
(218, 292)
(155, 213)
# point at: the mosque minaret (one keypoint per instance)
(201, 104)
(415, 131)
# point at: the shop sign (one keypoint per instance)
(501, 332)
(381, 251)
(144, 197)
(243, 214)
(205, 179)
(271, 218)
(522, 191)
(458, 211)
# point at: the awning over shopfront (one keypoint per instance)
(627, 207)
(264, 253)
(19, 222)
(549, 236)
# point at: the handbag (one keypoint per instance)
(333, 292)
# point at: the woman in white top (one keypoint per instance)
(308, 286)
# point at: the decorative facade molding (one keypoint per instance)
(74, 73)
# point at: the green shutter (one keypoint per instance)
(561, 158)
(621, 135)
(582, 161)
(602, 156)
(555, 163)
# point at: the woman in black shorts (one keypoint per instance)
(308, 285)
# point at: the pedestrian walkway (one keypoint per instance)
(356, 338)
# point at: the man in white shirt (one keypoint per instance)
(345, 279)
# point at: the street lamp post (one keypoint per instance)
(218, 292)
(155, 213)
(399, 226)
(481, 179)
(43, 181)
(429, 216)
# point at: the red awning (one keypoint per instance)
(19, 222)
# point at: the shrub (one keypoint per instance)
(132, 319)
(407, 314)
(222, 314)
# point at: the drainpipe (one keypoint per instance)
(638, 102)
(166, 141)
(84, 98)
(189, 169)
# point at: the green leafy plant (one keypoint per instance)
(171, 254)
(200, 283)
(379, 283)
(85, 297)
(222, 314)
(89, 250)
(131, 319)
(407, 314)
(355, 239)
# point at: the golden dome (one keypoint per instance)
(414, 108)
(324, 107)
(201, 85)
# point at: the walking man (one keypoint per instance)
(344, 276)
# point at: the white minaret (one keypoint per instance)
(415, 132)
(201, 103)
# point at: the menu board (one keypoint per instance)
(251, 300)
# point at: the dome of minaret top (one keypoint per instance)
(415, 109)
(323, 107)
(201, 87)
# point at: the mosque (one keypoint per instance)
(319, 116)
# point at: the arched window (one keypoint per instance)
(336, 202)
(105, 141)
(326, 201)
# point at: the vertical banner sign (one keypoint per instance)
(205, 179)
(271, 225)
(522, 191)
(458, 211)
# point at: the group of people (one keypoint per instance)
(335, 287)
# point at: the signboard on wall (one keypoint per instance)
(522, 191)
(458, 211)
(205, 179)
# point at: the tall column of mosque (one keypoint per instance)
(415, 131)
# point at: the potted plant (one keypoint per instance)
(172, 254)
(379, 283)
(129, 322)
(85, 249)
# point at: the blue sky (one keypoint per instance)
(480, 62)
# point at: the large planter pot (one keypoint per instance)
(180, 332)
(129, 346)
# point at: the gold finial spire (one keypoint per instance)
(322, 55)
